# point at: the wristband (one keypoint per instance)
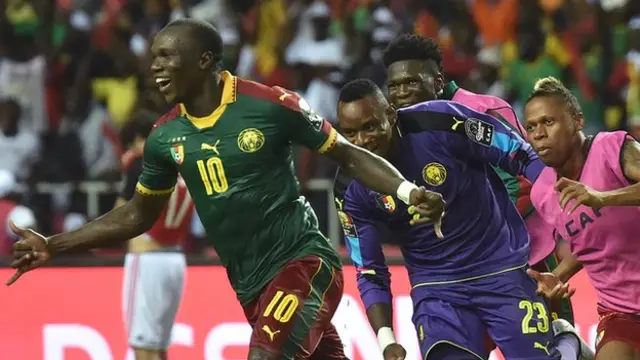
(404, 191)
(385, 337)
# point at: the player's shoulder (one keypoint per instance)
(276, 95)
(174, 113)
(433, 115)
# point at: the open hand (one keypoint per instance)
(29, 252)
(581, 194)
(430, 206)
(394, 352)
(550, 286)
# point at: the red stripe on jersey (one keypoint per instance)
(129, 157)
(168, 116)
(326, 127)
(274, 94)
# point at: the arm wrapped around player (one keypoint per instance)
(308, 128)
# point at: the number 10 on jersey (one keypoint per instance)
(213, 176)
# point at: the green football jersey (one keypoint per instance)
(237, 164)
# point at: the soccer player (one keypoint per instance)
(230, 140)
(589, 193)
(415, 74)
(474, 279)
(154, 268)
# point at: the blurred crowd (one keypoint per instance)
(74, 73)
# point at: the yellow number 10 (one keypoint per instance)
(212, 174)
(285, 306)
(543, 319)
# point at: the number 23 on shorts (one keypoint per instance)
(538, 309)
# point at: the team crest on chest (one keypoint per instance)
(177, 149)
(434, 174)
(251, 140)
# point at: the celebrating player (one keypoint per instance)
(474, 279)
(154, 267)
(594, 179)
(230, 140)
(415, 74)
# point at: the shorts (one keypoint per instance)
(560, 309)
(618, 326)
(292, 316)
(152, 290)
(459, 315)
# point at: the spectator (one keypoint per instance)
(11, 211)
(20, 145)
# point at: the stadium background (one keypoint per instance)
(77, 72)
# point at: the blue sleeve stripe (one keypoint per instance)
(505, 143)
(355, 253)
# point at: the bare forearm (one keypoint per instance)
(118, 225)
(627, 196)
(380, 315)
(372, 171)
(569, 266)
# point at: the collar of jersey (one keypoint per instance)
(229, 95)
(449, 90)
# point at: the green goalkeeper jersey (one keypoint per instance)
(237, 165)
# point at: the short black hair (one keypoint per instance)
(358, 89)
(412, 47)
(140, 124)
(205, 34)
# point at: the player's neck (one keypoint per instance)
(393, 146)
(572, 168)
(208, 99)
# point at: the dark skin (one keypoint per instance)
(189, 74)
(370, 123)
(555, 133)
(413, 81)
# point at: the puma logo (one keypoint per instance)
(272, 334)
(213, 148)
(457, 123)
(545, 348)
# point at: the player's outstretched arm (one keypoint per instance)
(118, 225)
(378, 174)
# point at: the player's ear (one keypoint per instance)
(579, 119)
(439, 82)
(206, 60)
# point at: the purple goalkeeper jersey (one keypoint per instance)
(447, 148)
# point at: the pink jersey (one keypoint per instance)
(540, 233)
(603, 240)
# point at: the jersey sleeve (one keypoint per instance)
(485, 138)
(131, 179)
(304, 126)
(365, 249)
(488, 139)
(159, 175)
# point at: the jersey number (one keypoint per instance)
(175, 215)
(212, 174)
(281, 307)
(531, 308)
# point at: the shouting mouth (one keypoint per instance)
(163, 83)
